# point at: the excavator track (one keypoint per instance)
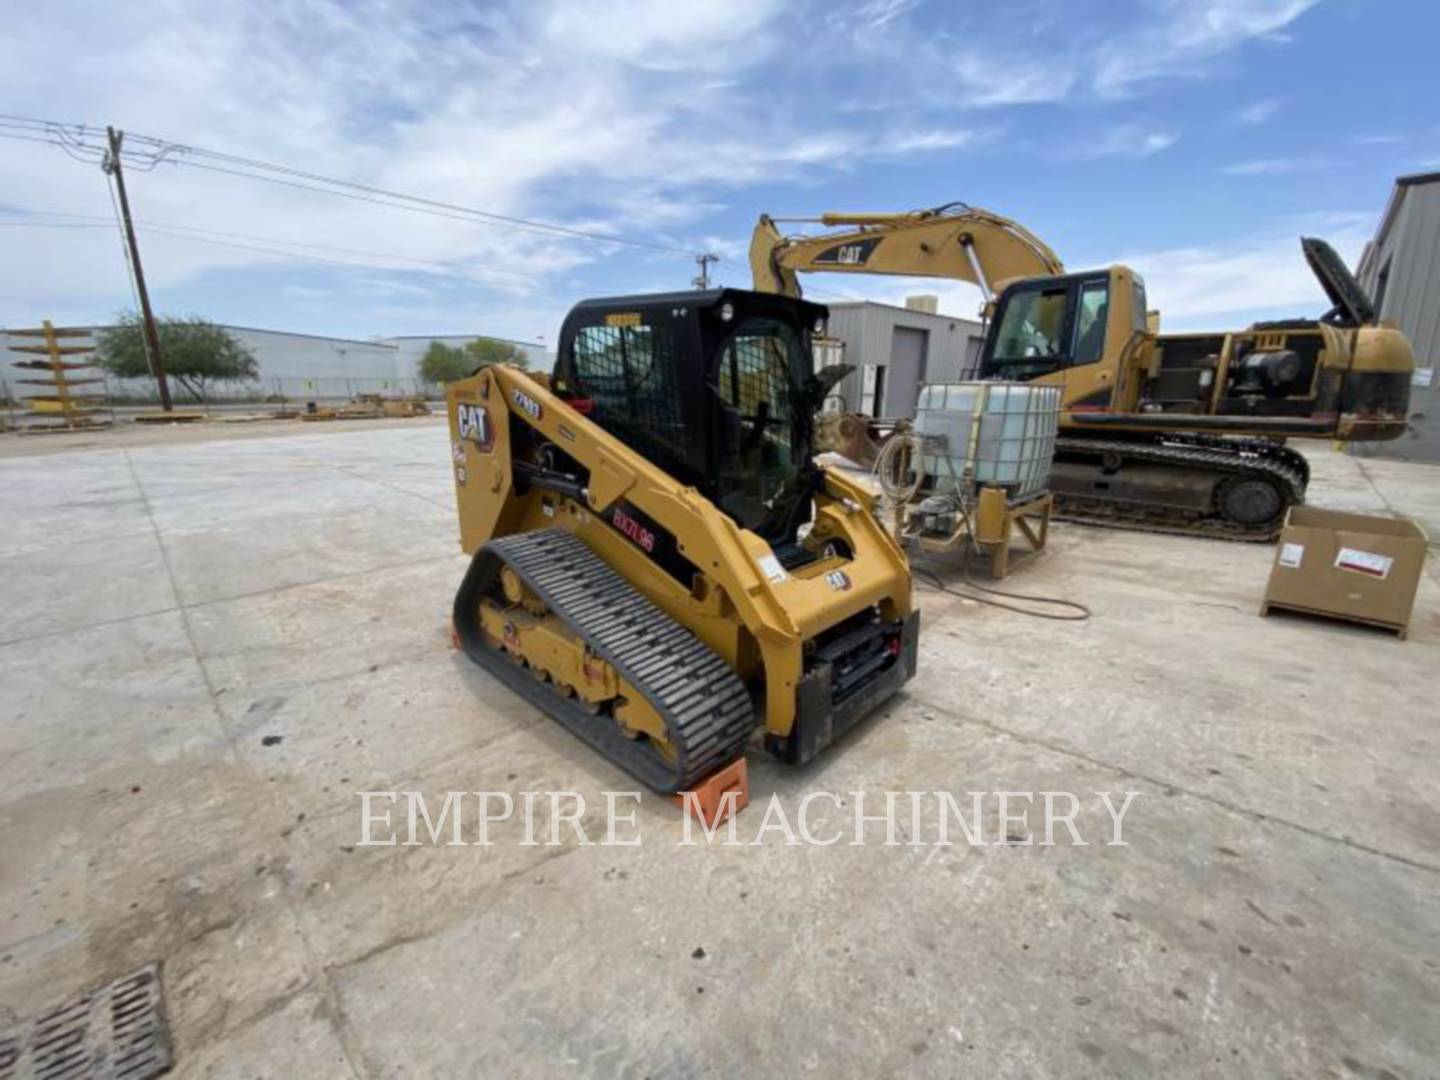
(707, 710)
(1234, 459)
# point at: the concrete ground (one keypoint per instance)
(210, 646)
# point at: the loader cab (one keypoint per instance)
(713, 386)
(1045, 326)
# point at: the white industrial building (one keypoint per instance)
(896, 350)
(294, 365)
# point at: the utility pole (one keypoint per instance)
(152, 335)
(702, 280)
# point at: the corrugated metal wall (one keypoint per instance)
(282, 355)
(868, 330)
(1406, 255)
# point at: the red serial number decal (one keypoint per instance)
(633, 529)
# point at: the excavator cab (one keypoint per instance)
(1049, 325)
(717, 387)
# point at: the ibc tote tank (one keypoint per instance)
(1000, 434)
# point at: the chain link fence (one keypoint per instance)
(271, 391)
(294, 391)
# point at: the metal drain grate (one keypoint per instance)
(117, 1032)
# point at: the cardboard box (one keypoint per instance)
(1347, 566)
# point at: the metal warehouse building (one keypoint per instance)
(299, 365)
(1400, 269)
(897, 349)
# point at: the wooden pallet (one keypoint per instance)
(994, 522)
(170, 418)
(1400, 630)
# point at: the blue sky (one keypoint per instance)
(1195, 141)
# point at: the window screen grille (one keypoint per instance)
(755, 369)
(630, 372)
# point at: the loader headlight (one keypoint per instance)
(819, 326)
(727, 311)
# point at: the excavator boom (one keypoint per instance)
(953, 241)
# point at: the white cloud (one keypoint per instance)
(989, 78)
(658, 34)
(1031, 55)
(1274, 166)
(876, 13)
(1257, 112)
(307, 292)
(1123, 141)
(905, 142)
(868, 17)
(1194, 286)
(1186, 36)
(1377, 139)
(730, 249)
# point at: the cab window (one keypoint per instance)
(631, 374)
(1090, 323)
(754, 380)
(1033, 326)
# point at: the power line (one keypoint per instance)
(435, 268)
(71, 139)
(263, 244)
(50, 225)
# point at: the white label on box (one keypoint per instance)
(1291, 554)
(771, 568)
(1364, 562)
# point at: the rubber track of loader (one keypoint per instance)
(705, 705)
(1202, 455)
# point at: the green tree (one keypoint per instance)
(486, 351)
(195, 350)
(445, 363)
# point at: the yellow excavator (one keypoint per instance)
(657, 561)
(1167, 432)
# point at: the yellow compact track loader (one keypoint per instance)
(657, 561)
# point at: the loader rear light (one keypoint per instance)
(583, 405)
(893, 646)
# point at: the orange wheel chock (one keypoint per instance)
(711, 801)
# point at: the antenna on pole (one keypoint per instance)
(702, 279)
